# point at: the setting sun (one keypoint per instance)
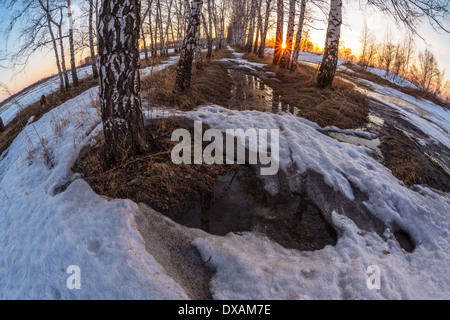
(283, 46)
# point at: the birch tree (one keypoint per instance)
(251, 30)
(279, 33)
(91, 39)
(184, 67)
(73, 65)
(298, 37)
(287, 53)
(123, 123)
(262, 47)
(328, 67)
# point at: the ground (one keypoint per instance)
(311, 232)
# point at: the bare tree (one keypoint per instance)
(73, 65)
(298, 37)
(262, 47)
(287, 53)
(278, 53)
(184, 67)
(411, 12)
(91, 39)
(328, 67)
(387, 53)
(123, 123)
(366, 37)
(251, 30)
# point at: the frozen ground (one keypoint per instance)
(51, 219)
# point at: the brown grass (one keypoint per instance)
(212, 84)
(13, 128)
(341, 105)
(417, 93)
(402, 162)
(150, 178)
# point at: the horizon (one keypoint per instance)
(41, 64)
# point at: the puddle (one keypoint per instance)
(393, 100)
(251, 93)
(358, 141)
(405, 241)
(238, 203)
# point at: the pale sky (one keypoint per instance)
(43, 63)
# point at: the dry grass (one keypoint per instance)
(13, 128)
(150, 178)
(417, 93)
(341, 105)
(400, 159)
(212, 84)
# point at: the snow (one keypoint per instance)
(45, 228)
(164, 64)
(252, 267)
(28, 97)
(432, 119)
(238, 59)
(43, 232)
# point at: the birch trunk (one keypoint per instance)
(298, 37)
(287, 53)
(251, 30)
(73, 65)
(330, 58)
(279, 33)
(123, 123)
(262, 47)
(63, 58)
(259, 28)
(91, 39)
(184, 68)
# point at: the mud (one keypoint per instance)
(239, 203)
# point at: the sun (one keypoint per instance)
(283, 46)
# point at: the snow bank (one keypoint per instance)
(45, 229)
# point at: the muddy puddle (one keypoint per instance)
(373, 144)
(238, 203)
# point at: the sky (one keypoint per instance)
(42, 64)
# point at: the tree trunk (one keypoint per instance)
(73, 65)
(123, 123)
(184, 68)
(91, 39)
(55, 48)
(251, 30)
(331, 56)
(259, 28)
(63, 58)
(262, 47)
(298, 37)
(210, 34)
(279, 33)
(209, 39)
(287, 53)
